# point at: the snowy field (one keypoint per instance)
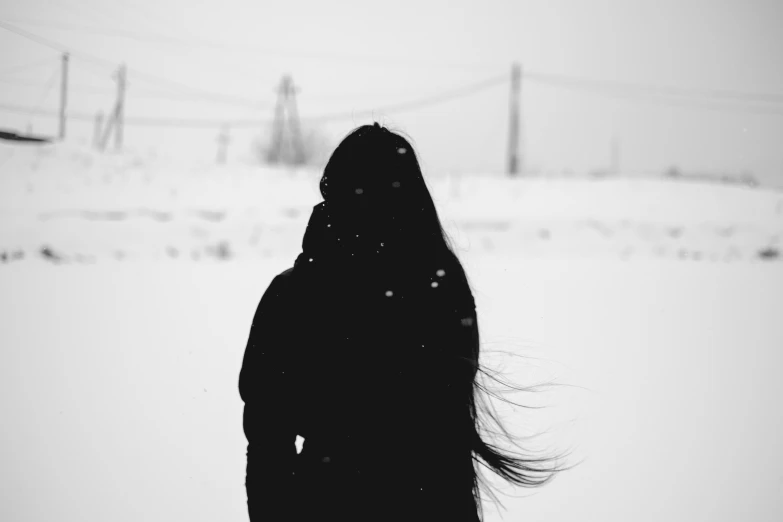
(128, 283)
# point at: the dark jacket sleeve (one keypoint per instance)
(267, 422)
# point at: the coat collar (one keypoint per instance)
(334, 234)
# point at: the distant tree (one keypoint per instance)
(673, 172)
(748, 179)
(313, 150)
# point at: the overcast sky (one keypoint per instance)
(350, 56)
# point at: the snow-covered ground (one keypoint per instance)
(73, 205)
(128, 286)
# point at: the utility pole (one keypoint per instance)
(293, 123)
(120, 110)
(224, 139)
(277, 125)
(115, 121)
(63, 94)
(96, 136)
(514, 159)
(286, 102)
(107, 129)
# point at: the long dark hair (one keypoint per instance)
(374, 173)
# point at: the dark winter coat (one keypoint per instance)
(369, 356)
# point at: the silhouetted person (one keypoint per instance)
(368, 349)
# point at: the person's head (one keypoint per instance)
(373, 180)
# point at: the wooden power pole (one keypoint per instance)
(96, 138)
(120, 112)
(104, 139)
(116, 119)
(224, 138)
(63, 94)
(514, 158)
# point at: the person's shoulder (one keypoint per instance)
(281, 282)
(284, 276)
(278, 285)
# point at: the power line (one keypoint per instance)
(32, 37)
(33, 65)
(137, 12)
(396, 108)
(153, 37)
(201, 93)
(724, 94)
(552, 79)
(189, 98)
(66, 6)
(415, 104)
(615, 89)
(430, 100)
(663, 99)
(47, 88)
(42, 112)
(139, 36)
(56, 46)
(135, 35)
(153, 78)
(199, 123)
(543, 78)
(136, 93)
(140, 94)
(210, 123)
(100, 9)
(141, 121)
(26, 83)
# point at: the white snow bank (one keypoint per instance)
(80, 205)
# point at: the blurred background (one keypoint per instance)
(611, 173)
(604, 86)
